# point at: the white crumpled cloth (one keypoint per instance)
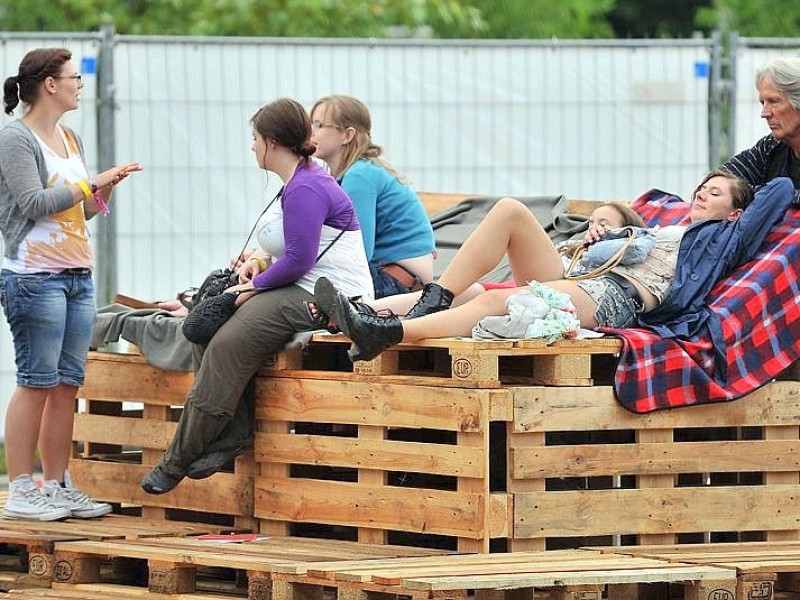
(539, 312)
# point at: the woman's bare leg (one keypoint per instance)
(459, 320)
(400, 304)
(55, 432)
(509, 227)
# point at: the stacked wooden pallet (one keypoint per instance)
(406, 447)
(27, 548)
(125, 421)
(761, 568)
(204, 565)
(458, 444)
(557, 575)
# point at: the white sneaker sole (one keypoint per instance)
(91, 513)
(53, 515)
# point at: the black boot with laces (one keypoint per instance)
(434, 299)
(370, 333)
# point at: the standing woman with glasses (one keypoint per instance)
(46, 290)
(397, 233)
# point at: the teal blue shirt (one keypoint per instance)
(393, 221)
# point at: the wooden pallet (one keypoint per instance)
(381, 462)
(174, 563)
(30, 546)
(126, 419)
(761, 568)
(562, 575)
(403, 452)
(103, 592)
(584, 471)
(456, 362)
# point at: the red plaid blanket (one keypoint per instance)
(759, 305)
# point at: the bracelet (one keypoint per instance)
(93, 185)
(101, 204)
(87, 193)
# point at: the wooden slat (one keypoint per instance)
(364, 403)
(559, 579)
(379, 454)
(586, 460)
(102, 591)
(129, 378)
(594, 409)
(403, 509)
(139, 432)
(262, 555)
(653, 511)
(225, 493)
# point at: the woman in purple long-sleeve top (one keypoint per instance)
(311, 232)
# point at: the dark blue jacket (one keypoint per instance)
(709, 251)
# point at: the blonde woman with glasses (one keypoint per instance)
(397, 233)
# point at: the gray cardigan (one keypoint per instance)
(24, 195)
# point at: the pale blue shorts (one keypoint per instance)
(51, 316)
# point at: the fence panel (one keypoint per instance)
(591, 119)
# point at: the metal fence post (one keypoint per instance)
(106, 244)
(733, 52)
(715, 101)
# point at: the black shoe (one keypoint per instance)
(158, 481)
(207, 465)
(370, 333)
(434, 298)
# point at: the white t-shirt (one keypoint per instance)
(61, 240)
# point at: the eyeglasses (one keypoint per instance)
(317, 125)
(76, 77)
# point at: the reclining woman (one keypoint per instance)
(398, 236)
(664, 290)
(312, 231)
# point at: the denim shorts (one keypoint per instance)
(51, 316)
(384, 284)
(615, 308)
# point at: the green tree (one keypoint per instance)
(319, 18)
(522, 19)
(655, 18)
(754, 18)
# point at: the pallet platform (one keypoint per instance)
(456, 362)
(173, 564)
(523, 447)
(103, 592)
(761, 568)
(126, 419)
(29, 546)
(584, 471)
(557, 575)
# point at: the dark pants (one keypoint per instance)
(259, 329)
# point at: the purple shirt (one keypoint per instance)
(310, 199)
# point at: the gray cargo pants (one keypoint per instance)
(260, 328)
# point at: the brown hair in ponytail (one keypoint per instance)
(36, 66)
(285, 122)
